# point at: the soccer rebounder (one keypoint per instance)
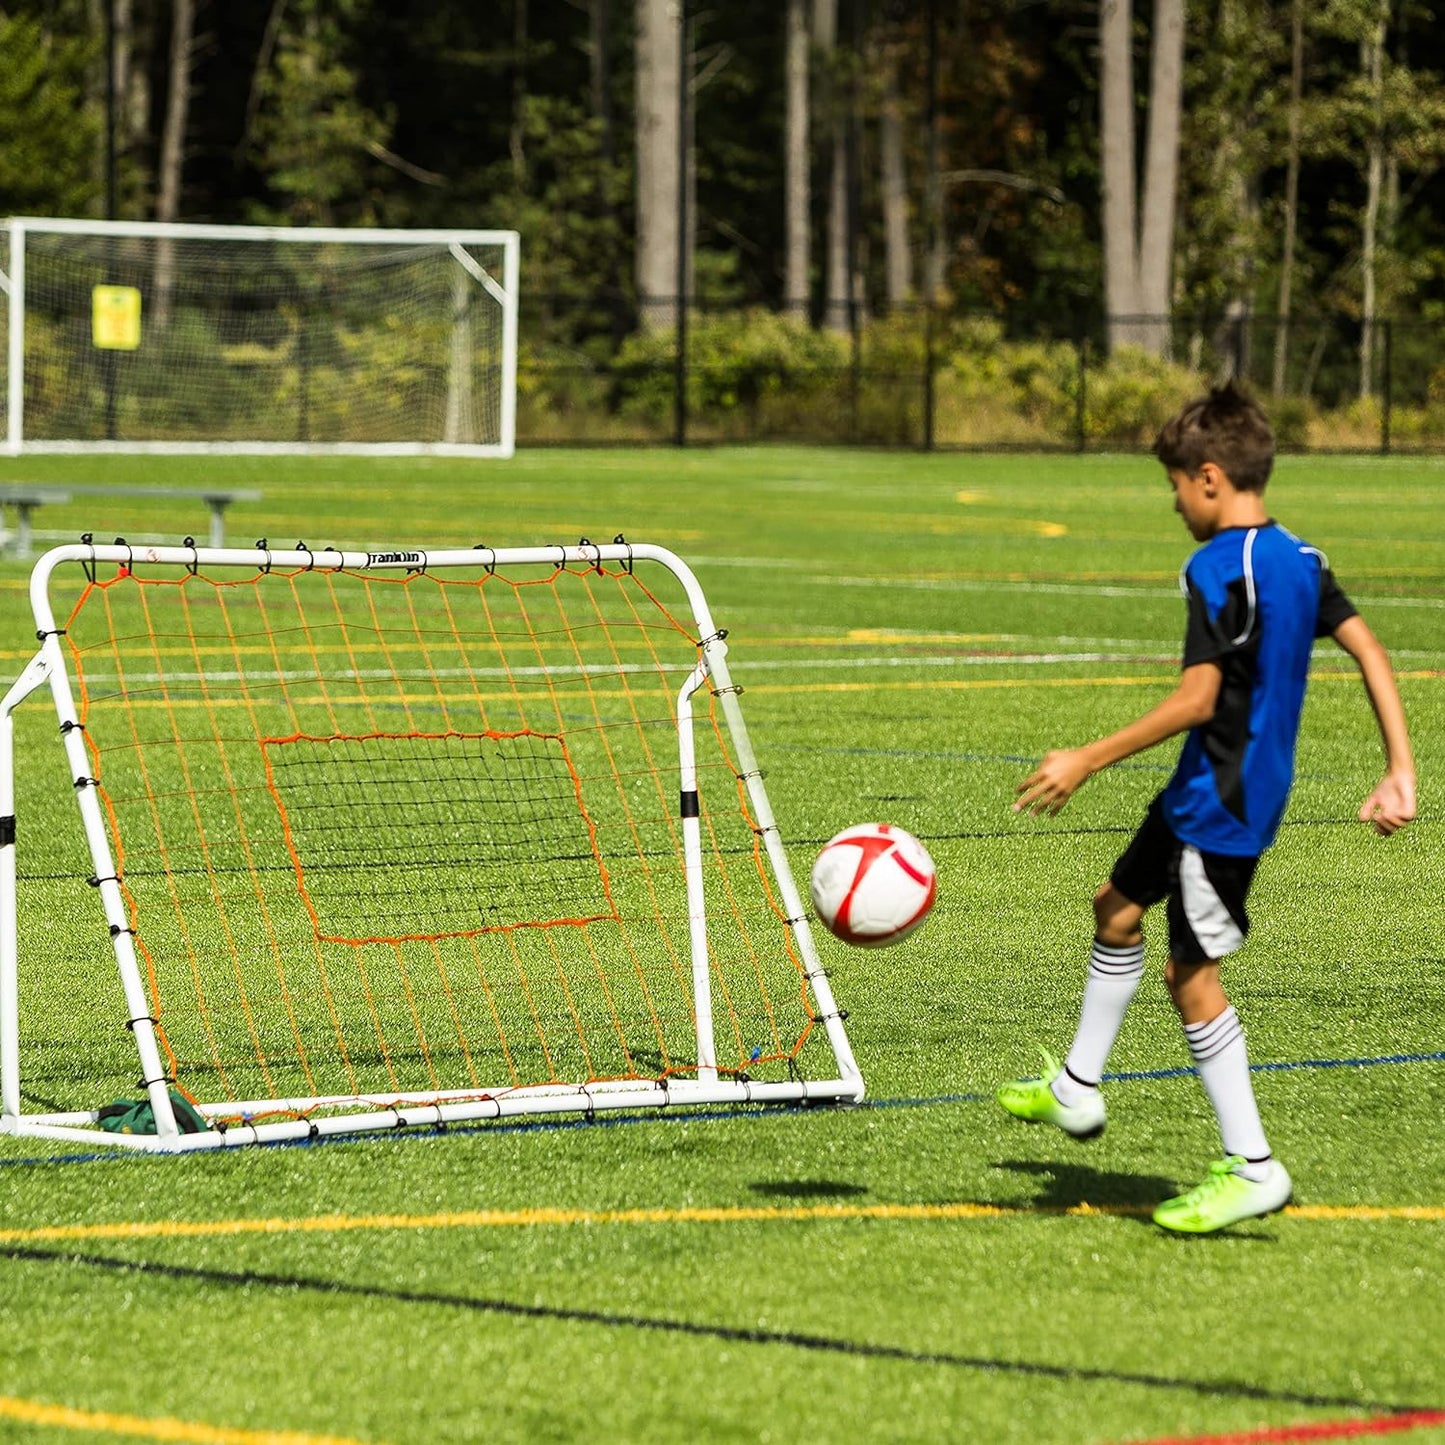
(1257, 599)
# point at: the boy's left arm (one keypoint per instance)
(1392, 802)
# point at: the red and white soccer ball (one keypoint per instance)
(873, 884)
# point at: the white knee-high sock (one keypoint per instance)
(1223, 1064)
(1114, 975)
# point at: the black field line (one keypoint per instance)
(731, 1334)
(1023, 834)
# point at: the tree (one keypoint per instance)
(837, 263)
(1229, 158)
(898, 255)
(173, 148)
(797, 184)
(316, 141)
(50, 133)
(1383, 118)
(1139, 227)
(1291, 197)
(658, 92)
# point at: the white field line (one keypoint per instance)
(1072, 589)
(751, 666)
(974, 584)
(354, 674)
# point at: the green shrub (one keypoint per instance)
(1133, 394)
(735, 363)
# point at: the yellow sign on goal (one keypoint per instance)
(115, 317)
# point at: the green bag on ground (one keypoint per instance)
(135, 1116)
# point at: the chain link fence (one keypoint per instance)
(929, 378)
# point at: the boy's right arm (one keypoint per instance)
(1392, 803)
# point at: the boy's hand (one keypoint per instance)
(1391, 805)
(1054, 781)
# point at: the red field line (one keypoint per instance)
(1321, 1430)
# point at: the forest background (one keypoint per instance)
(916, 222)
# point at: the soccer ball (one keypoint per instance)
(873, 884)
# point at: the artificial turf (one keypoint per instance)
(910, 631)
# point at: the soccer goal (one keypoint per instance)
(381, 839)
(147, 337)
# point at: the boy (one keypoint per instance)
(1257, 598)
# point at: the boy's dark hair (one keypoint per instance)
(1227, 427)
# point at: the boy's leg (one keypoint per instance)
(1116, 964)
(1248, 1182)
(1068, 1096)
(1216, 1043)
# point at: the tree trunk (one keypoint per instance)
(936, 244)
(599, 45)
(797, 182)
(659, 78)
(1116, 92)
(600, 60)
(1291, 199)
(835, 268)
(121, 96)
(1372, 62)
(898, 258)
(1137, 262)
(1161, 173)
(173, 152)
(516, 137)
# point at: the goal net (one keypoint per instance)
(126, 336)
(395, 838)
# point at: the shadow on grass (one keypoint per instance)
(807, 1188)
(1067, 1186)
(1079, 1186)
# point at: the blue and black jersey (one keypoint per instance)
(1257, 597)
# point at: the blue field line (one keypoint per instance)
(1285, 1066)
(617, 1121)
(1182, 1071)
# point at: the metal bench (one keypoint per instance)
(25, 497)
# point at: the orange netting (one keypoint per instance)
(395, 834)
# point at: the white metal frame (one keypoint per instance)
(362, 1113)
(504, 291)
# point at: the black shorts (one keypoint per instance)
(1206, 891)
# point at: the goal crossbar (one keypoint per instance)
(390, 819)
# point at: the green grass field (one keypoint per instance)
(910, 631)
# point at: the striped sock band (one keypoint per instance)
(1207, 1041)
(1113, 976)
(1110, 962)
(1223, 1063)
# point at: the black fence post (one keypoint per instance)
(928, 377)
(1387, 387)
(1239, 361)
(303, 365)
(107, 360)
(1081, 397)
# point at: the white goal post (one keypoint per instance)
(126, 336)
(387, 839)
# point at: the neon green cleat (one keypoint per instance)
(1224, 1198)
(1034, 1101)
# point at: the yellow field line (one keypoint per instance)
(65, 1417)
(975, 684)
(720, 1214)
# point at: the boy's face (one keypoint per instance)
(1196, 499)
